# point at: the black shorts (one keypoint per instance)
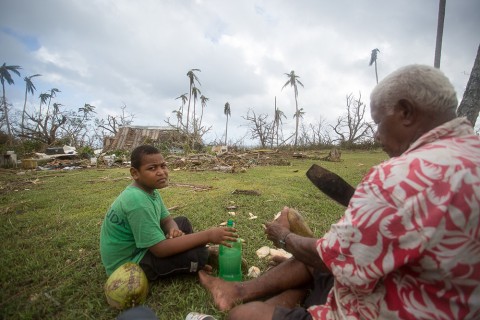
(183, 263)
(322, 284)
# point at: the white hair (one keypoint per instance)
(423, 85)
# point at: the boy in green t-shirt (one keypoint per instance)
(139, 228)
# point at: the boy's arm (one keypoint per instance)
(171, 246)
(170, 228)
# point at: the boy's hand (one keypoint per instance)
(173, 233)
(222, 235)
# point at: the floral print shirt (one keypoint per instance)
(408, 246)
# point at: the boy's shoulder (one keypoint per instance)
(132, 195)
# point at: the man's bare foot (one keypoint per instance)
(224, 293)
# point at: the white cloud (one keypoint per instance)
(110, 53)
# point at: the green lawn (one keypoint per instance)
(50, 224)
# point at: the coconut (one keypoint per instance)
(127, 286)
(298, 225)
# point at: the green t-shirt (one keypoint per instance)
(130, 227)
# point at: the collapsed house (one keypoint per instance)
(130, 137)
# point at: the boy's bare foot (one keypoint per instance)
(207, 268)
(224, 293)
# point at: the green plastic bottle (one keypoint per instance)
(230, 259)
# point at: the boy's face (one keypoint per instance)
(152, 174)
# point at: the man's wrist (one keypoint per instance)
(283, 242)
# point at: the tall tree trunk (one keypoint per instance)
(438, 45)
(5, 110)
(470, 105)
(376, 73)
(24, 107)
(296, 122)
(226, 131)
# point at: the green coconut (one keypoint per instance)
(126, 287)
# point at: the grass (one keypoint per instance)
(50, 224)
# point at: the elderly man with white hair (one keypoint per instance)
(408, 245)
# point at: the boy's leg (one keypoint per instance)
(183, 263)
(184, 224)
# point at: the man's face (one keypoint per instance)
(392, 135)
(152, 174)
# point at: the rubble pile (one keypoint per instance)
(228, 161)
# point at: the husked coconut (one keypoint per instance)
(263, 252)
(253, 272)
(126, 287)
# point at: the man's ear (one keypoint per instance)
(134, 173)
(407, 112)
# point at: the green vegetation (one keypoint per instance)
(50, 224)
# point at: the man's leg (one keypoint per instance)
(286, 304)
(291, 274)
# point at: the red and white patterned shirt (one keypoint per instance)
(408, 246)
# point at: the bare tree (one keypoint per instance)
(112, 123)
(43, 127)
(259, 127)
(320, 134)
(470, 105)
(77, 130)
(352, 127)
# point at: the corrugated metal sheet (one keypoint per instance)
(130, 137)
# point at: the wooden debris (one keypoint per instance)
(246, 192)
(195, 187)
(334, 155)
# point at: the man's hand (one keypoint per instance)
(279, 228)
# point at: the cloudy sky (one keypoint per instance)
(110, 53)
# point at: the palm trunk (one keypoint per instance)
(24, 107)
(188, 109)
(438, 45)
(194, 125)
(226, 131)
(470, 105)
(376, 73)
(5, 109)
(296, 122)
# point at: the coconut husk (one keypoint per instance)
(298, 225)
